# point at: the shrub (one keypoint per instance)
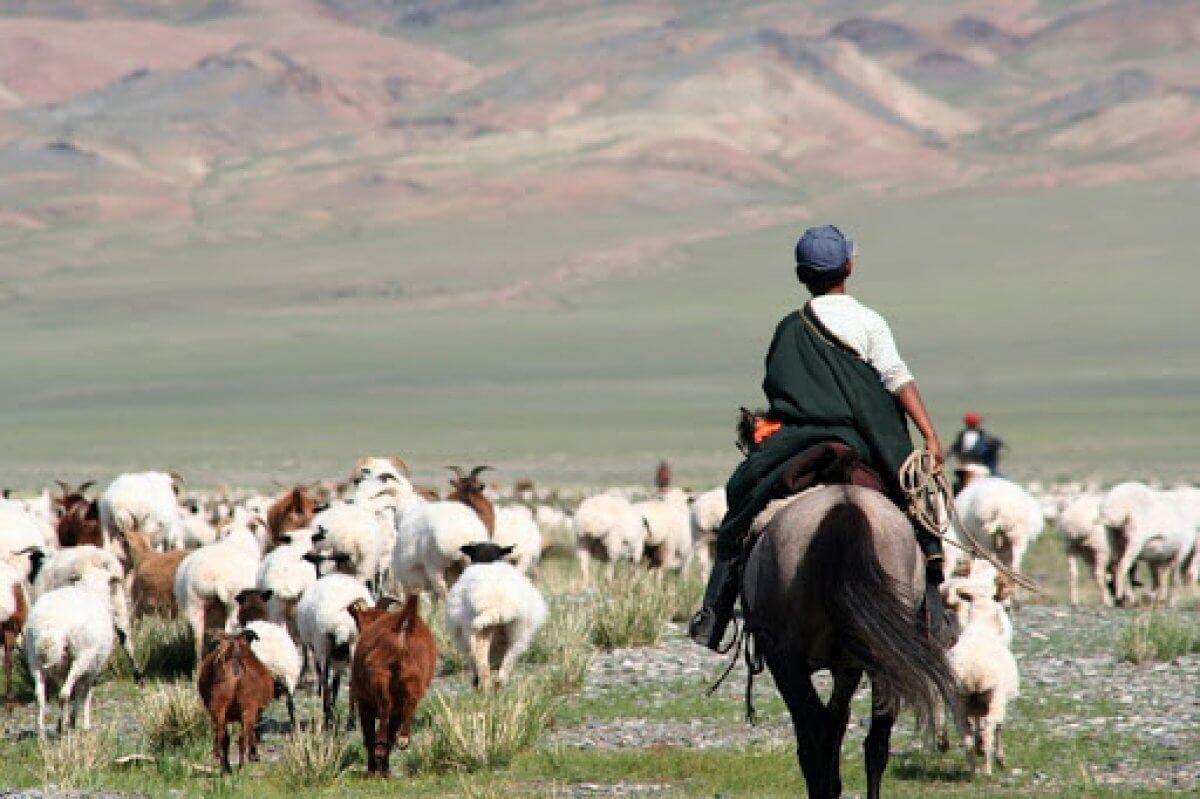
(1158, 637)
(632, 609)
(172, 716)
(163, 647)
(473, 732)
(75, 759)
(314, 756)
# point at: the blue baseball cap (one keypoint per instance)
(823, 249)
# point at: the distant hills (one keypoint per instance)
(190, 112)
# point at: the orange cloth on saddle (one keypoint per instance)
(764, 428)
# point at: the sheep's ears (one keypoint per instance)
(249, 635)
(401, 465)
(508, 550)
(266, 595)
(285, 539)
(320, 507)
(469, 550)
(314, 558)
(341, 558)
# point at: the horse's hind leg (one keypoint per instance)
(845, 683)
(811, 721)
(876, 747)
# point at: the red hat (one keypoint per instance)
(971, 418)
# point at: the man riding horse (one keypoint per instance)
(839, 396)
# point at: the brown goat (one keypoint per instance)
(252, 605)
(292, 511)
(235, 687)
(80, 524)
(392, 669)
(468, 489)
(70, 496)
(153, 587)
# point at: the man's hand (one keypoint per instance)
(939, 457)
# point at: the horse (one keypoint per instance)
(835, 581)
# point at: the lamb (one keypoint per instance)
(1002, 516)
(272, 645)
(68, 639)
(668, 541)
(708, 511)
(325, 625)
(349, 533)
(1188, 500)
(608, 527)
(987, 677)
(1147, 525)
(492, 613)
(209, 579)
(235, 686)
(1085, 537)
(68, 566)
(20, 533)
(392, 669)
(147, 501)
(14, 609)
(515, 527)
(428, 554)
(287, 575)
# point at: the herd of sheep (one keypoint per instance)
(311, 575)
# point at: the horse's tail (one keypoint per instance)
(874, 617)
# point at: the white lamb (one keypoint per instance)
(492, 614)
(708, 511)
(516, 527)
(287, 575)
(608, 528)
(143, 501)
(987, 677)
(349, 534)
(278, 653)
(1086, 538)
(668, 523)
(1147, 525)
(429, 543)
(208, 580)
(68, 639)
(327, 627)
(1002, 516)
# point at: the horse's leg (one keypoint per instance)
(845, 683)
(811, 722)
(876, 746)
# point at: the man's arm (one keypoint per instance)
(909, 397)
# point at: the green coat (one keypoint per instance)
(821, 390)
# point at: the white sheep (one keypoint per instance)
(197, 530)
(68, 639)
(20, 533)
(1188, 500)
(275, 648)
(668, 523)
(144, 501)
(287, 575)
(1149, 526)
(987, 676)
(389, 471)
(608, 528)
(492, 614)
(390, 499)
(708, 511)
(1001, 516)
(208, 580)
(429, 543)
(1086, 538)
(326, 626)
(516, 527)
(349, 534)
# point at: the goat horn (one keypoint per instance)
(479, 470)
(458, 471)
(66, 489)
(402, 466)
(85, 485)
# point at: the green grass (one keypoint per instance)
(1152, 637)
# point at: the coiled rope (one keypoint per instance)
(931, 504)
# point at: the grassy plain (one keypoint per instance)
(1065, 316)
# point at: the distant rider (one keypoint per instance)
(973, 444)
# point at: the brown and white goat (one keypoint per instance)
(235, 686)
(468, 489)
(392, 669)
(292, 511)
(80, 524)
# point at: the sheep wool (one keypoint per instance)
(492, 614)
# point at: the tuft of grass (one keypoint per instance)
(76, 759)
(1158, 637)
(689, 593)
(632, 609)
(163, 647)
(172, 716)
(314, 756)
(564, 645)
(476, 732)
(450, 660)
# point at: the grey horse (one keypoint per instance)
(835, 582)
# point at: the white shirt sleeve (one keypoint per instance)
(881, 353)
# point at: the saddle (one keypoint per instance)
(830, 463)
